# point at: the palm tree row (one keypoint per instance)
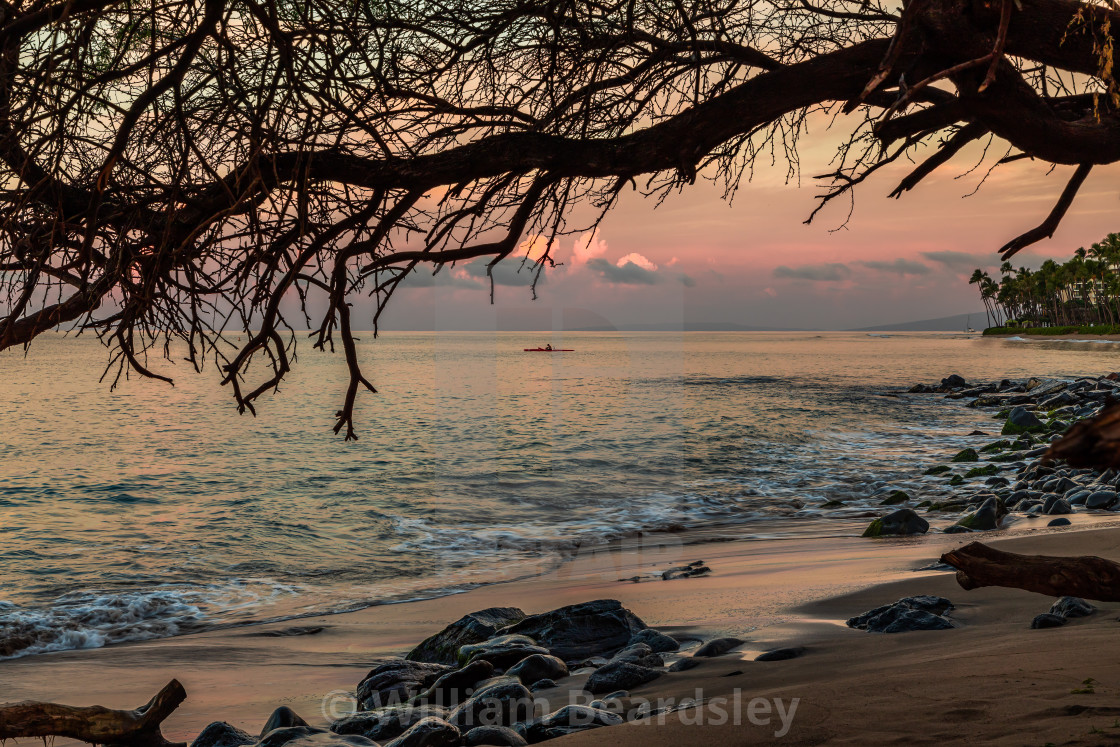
(1085, 290)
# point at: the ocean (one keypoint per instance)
(151, 510)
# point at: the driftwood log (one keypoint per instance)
(94, 724)
(1084, 576)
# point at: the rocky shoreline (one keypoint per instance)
(987, 488)
(500, 676)
(491, 678)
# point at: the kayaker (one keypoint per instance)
(548, 347)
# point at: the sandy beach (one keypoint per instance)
(991, 680)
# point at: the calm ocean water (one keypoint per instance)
(152, 511)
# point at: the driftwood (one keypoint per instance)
(94, 724)
(1085, 576)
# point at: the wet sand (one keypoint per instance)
(991, 680)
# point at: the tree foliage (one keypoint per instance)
(173, 170)
(1085, 290)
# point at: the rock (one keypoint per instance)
(1059, 507)
(901, 522)
(307, 736)
(1102, 499)
(985, 471)
(501, 704)
(657, 641)
(545, 684)
(781, 654)
(569, 720)
(684, 665)
(956, 529)
(953, 381)
(907, 614)
(640, 654)
(966, 455)
(619, 675)
(938, 470)
(538, 667)
(896, 497)
(395, 682)
(1022, 420)
(428, 732)
(1063, 522)
(383, 724)
(221, 734)
(443, 647)
(282, 718)
(984, 518)
(453, 687)
(580, 631)
(617, 695)
(503, 652)
(497, 736)
(718, 647)
(1072, 607)
(1047, 620)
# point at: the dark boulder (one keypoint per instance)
(501, 704)
(901, 522)
(538, 667)
(781, 654)
(1047, 620)
(1060, 507)
(640, 654)
(580, 631)
(221, 734)
(282, 718)
(1060, 522)
(503, 652)
(307, 736)
(453, 687)
(953, 381)
(684, 664)
(657, 641)
(495, 736)
(1072, 607)
(545, 684)
(718, 647)
(569, 720)
(966, 455)
(428, 732)
(1102, 499)
(1022, 420)
(619, 675)
(443, 647)
(905, 615)
(384, 724)
(397, 681)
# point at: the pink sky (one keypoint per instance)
(753, 262)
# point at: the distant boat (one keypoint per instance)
(968, 325)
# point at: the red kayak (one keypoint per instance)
(547, 350)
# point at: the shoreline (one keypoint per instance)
(774, 593)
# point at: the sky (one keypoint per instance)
(699, 259)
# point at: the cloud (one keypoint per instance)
(507, 272)
(959, 261)
(587, 247)
(422, 277)
(627, 274)
(901, 266)
(686, 281)
(636, 259)
(831, 272)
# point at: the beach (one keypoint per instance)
(992, 679)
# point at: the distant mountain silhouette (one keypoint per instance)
(942, 324)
